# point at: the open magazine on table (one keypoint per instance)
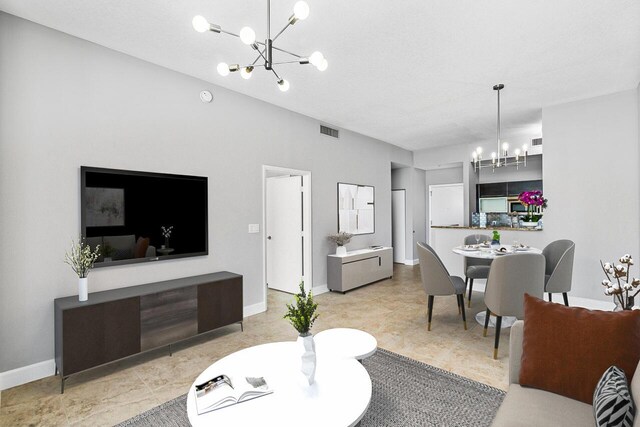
(223, 390)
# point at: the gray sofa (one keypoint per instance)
(123, 247)
(523, 406)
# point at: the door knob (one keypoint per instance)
(268, 237)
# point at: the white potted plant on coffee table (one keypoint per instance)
(302, 315)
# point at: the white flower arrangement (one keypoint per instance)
(619, 283)
(340, 238)
(166, 231)
(81, 258)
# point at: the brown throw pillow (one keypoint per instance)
(565, 350)
(141, 247)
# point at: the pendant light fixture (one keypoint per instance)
(265, 50)
(500, 157)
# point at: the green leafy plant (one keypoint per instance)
(496, 236)
(108, 250)
(302, 314)
(81, 257)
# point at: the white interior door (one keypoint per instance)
(446, 205)
(399, 222)
(284, 233)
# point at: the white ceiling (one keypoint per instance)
(413, 73)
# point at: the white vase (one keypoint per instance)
(308, 357)
(341, 250)
(529, 224)
(83, 289)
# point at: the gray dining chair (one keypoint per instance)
(475, 268)
(437, 281)
(558, 257)
(512, 276)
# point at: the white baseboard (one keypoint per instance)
(26, 374)
(317, 290)
(250, 310)
(411, 262)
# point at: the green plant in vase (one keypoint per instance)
(495, 238)
(302, 314)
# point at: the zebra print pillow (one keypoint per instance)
(612, 403)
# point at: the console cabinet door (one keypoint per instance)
(219, 304)
(122, 328)
(83, 338)
(100, 333)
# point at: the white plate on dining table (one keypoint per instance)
(467, 248)
(522, 249)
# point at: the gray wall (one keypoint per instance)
(533, 171)
(419, 210)
(591, 180)
(65, 102)
(402, 179)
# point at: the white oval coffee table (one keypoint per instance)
(340, 395)
(345, 343)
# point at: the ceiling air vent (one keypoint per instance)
(326, 130)
(536, 141)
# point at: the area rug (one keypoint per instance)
(405, 393)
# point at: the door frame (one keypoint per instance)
(453, 184)
(405, 223)
(307, 256)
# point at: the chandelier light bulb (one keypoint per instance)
(524, 148)
(301, 10)
(316, 58)
(223, 69)
(493, 155)
(479, 150)
(246, 72)
(247, 35)
(323, 64)
(505, 146)
(517, 152)
(200, 24)
(283, 85)
(475, 156)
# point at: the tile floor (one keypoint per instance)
(394, 311)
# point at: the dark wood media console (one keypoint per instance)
(122, 322)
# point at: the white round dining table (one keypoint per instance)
(488, 253)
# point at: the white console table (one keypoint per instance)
(357, 268)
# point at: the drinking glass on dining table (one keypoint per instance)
(477, 237)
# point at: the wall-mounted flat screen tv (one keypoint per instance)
(142, 216)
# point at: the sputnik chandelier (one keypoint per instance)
(265, 50)
(500, 157)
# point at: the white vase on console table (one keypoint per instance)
(341, 250)
(83, 288)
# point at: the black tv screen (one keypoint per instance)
(142, 216)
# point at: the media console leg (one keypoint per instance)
(241, 326)
(55, 372)
(62, 379)
(170, 351)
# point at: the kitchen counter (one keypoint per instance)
(488, 229)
